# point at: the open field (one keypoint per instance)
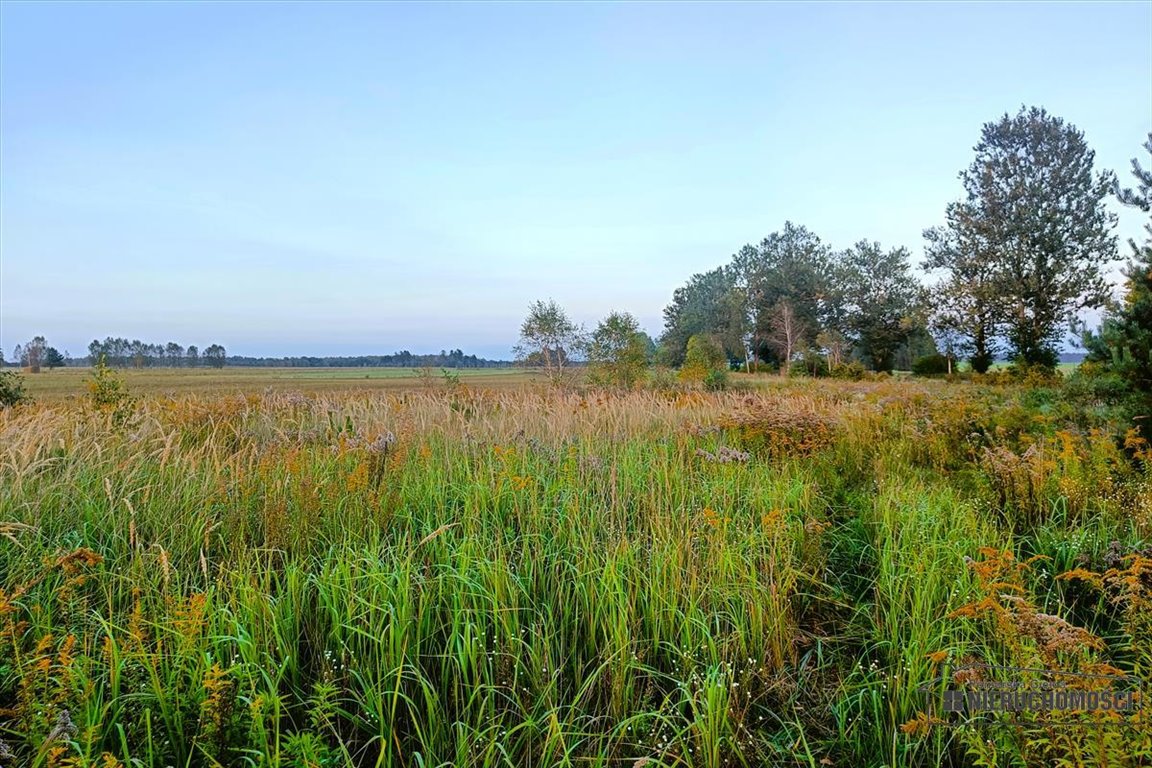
(69, 382)
(520, 577)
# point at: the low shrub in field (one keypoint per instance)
(1023, 374)
(661, 378)
(108, 392)
(704, 361)
(716, 381)
(853, 370)
(12, 389)
(810, 363)
(930, 365)
(769, 430)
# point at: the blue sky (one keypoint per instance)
(348, 178)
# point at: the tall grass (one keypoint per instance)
(530, 578)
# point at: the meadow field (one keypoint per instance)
(313, 569)
(65, 383)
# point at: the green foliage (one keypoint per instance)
(108, 392)
(965, 313)
(214, 356)
(704, 356)
(53, 358)
(810, 363)
(716, 381)
(853, 370)
(791, 267)
(1028, 245)
(661, 378)
(711, 303)
(12, 389)
(1123, 344)
(549, 339)
(881, 297)
(451, 378)
(618, 352)
(931, 365)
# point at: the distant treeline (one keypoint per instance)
(141, 354)
(133, 353)
(404, 359)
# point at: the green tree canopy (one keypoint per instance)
(1124, 343)
(618, 351)
(549, 337)
(795, 268)
(1025, 249)
(881, 301)
(711, 303)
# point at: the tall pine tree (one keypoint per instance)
(1034, 228)
(1124, 343)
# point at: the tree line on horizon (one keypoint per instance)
(1020, 255)
(123, 353)
(454, 358)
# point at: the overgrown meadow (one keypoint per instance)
(543, 578)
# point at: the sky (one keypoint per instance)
(362, 178)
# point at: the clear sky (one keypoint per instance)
(359, 178)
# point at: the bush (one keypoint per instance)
(661, 378)
(716, 380)
(930, 365)
(704, 357)
(811, 363)
(850, 371)
(768, 430)
(12, 389)
(1092, 384)
(107, 391)
(1027, 374)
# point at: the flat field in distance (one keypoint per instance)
(62, 383)
(330, 571)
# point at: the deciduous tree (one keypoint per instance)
(1033, 222)
(882, 299)
(618, 351)
(704, 357)
(712, 303)
(32, 356)
(215, 356)
(549, 335)
(785, 333)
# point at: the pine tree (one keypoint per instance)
(1124, 343)
(1033, 228)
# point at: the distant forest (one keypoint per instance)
(125, 353)
(404, 359)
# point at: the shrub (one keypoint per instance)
(662, 378)
(107, 391)
(1028, 374)
(704, 356)
(930, 365)
(850, 371)
(12, 389)
(618, 352)
(716, 380)
(769, 430)
(811, 363)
